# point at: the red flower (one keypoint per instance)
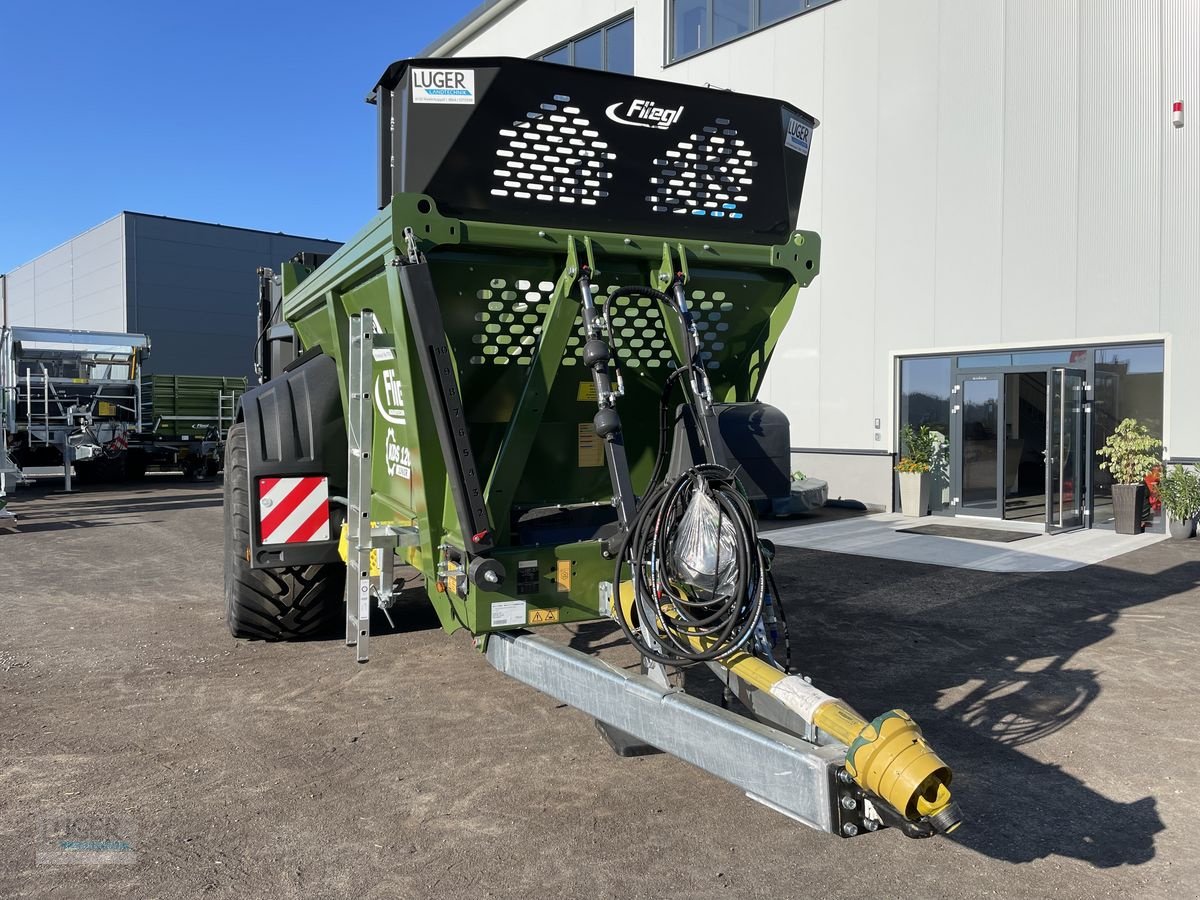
(1152, 488)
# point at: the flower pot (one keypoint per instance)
(914, 493)
(1181, 529)
(1129, 500)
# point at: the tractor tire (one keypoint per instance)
(284, 604)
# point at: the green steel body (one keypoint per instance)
(509, 300)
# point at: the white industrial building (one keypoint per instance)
(1010, 215)
(190, 286)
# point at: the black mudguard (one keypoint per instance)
(295, 427)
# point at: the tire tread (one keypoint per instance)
(281, 604)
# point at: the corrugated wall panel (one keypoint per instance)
(22, 295)
(55, 302)
(1041, 208)
(907, 168)
(98, 278)
(850, 147)
(1120, 131)
(1180, 297)
(79, 284)
(795, 374)
(194, 287)
(970, 160)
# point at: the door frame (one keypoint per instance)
(958, 375)
(1054, 453)
(959, 379)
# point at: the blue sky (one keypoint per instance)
(247, 113)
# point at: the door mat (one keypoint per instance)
(967, 533)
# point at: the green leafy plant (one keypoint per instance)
(1179, 490)
(1130, 453)
(798, 476)
(917, 449)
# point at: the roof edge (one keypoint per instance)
(455, 36)
(304, 237)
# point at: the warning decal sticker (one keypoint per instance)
(508, 613)
(562, 577)
(591, 447)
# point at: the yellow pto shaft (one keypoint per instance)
(889, 756)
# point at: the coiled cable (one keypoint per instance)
(688, 624)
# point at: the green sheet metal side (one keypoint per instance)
(508, 297)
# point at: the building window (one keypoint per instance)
(925, 400)
(1128, 385)
(697, 25)
(609, 47)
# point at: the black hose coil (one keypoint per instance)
(690, 625)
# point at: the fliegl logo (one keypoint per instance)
(389, 396)
(644, 114)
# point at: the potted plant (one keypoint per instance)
(1179, 490)
(1129, 456)
(917, 449)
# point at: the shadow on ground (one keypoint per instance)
(45, 507)
(982, 661)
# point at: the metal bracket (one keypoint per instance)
(775, 768)
(386, 539)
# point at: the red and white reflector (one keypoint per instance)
(1177, 113)
(293, 510)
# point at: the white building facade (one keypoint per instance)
(1010, 222)
(190, 286)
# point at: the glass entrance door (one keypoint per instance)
(1066, 434)
(980, 448)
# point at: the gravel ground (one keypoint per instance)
(1065, 704)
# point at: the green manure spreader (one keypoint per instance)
(532, 376)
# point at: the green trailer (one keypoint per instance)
(533, 377)
(194, 405)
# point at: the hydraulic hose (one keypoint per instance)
(689, 625)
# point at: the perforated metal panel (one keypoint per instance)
(709, 174)
(509, 326)
(640, 333)
(554, 154)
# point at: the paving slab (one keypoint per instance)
(881, 536)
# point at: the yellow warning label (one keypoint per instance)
(591, 447)
(562, 575)
(453, 573)
(104, 408)
(587, 391)
(543, 616)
